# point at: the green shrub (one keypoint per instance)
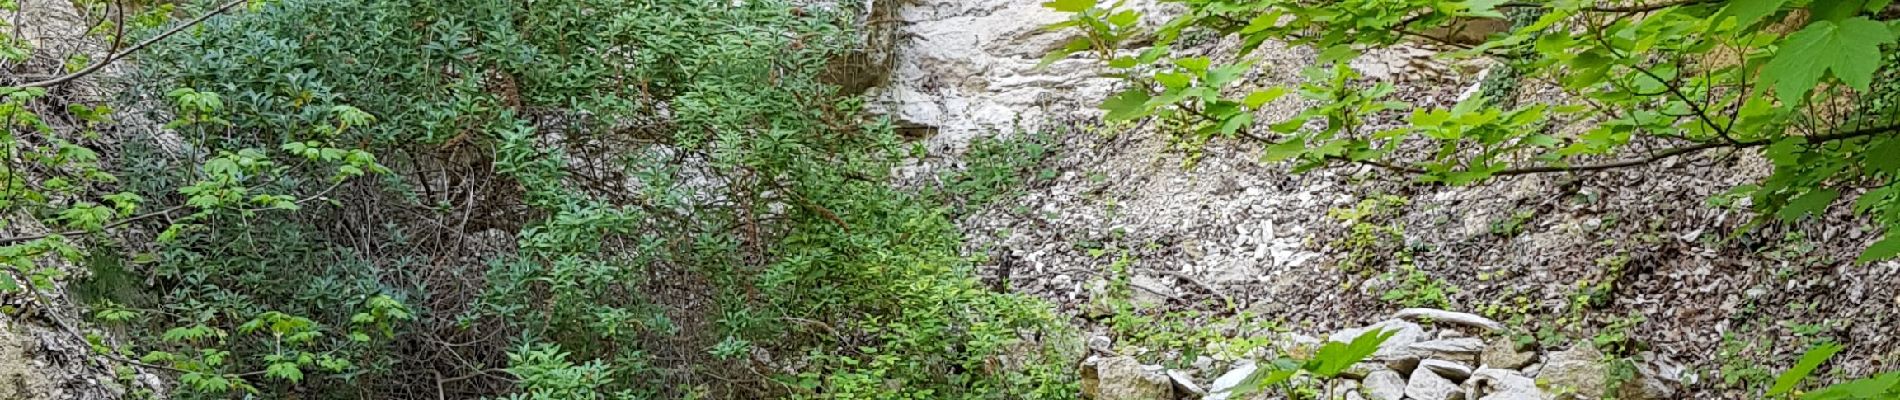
(689, 203)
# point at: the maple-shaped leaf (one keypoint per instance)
(1849, 49)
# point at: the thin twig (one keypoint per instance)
(1639, 8)
(95, 67)
(1658, 156)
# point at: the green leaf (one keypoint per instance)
(1259, 97)
(1850, 50)
(1196, 64)
(1884, 157)
(1286, 150)
(1813, 359)
(1126, 106)
(1220, 77)
(1338, 53)
(1070, 6)
(1835, 10)
(1124, 19)
(7, 283)
(1236, 123)
(1877, 387)
(1483, 8)
(285, 371)
(1812, 202)
(1885, 249)
(1747, 12)
(1335, 357)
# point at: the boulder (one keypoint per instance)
(1502, 384)
(1427, 385)
(1124, 378)
(1656, 378)
(1184, 383)
(1464, 350)
(1466, 345)
(1447, 369)
(1403, 363)
(1442, 316)
(1404, 334)
(1346, 389)
(1384, 384)
(1223, 387)
(1579, 370)
(1507, 354)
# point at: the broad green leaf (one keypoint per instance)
(1338, 53)
(1881, 386)
(1850, 50)
(1835, 10)
(1885, 249)
(1260, 97)
(1483, 8)
(1814, 201)
(1235, 124)
(1286, 149)
(285, 371)
(7, 283)
(1747, 12)
(1127, 105)
(1884, 157)
(1124, 19)
(1335, 357)
(1813, 359)
(1220, 77)
(1196, 64)
(1070, 6)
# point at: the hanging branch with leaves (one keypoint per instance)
(1790, 80)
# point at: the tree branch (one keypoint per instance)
(95, 67)
(1639, 8)
(17, 239)
(1658, 156)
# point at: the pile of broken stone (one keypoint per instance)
(1431, 355)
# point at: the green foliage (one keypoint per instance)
(1373, 237)
(1881, 386)
(1785, 382)
(685, 197)
(1412, 287)
(1685, 77)
(1331, 359)
(994, 168)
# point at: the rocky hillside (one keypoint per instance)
(1441, 356)
(1652, 263)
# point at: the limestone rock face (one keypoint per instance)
(969, 67)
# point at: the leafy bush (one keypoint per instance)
(578, 199)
